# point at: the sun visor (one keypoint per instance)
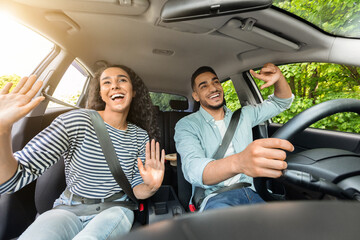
(246, 30)
(180, 10)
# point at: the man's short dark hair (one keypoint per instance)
(199, 71)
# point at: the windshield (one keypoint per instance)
(338, 17)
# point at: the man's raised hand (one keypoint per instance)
(269, 73)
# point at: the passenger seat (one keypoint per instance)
(167, 121)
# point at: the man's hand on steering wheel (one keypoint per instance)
(264, 158)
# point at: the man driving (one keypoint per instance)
(199, 135)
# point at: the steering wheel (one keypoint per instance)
(316, 169)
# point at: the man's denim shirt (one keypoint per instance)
(197, 137)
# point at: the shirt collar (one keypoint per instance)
(207, 116)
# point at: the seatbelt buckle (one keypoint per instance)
(141, 207)
(192, 208)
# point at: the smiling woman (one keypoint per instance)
(142, 167)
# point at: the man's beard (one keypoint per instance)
(216, 107)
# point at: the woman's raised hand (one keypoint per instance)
(153, 170)
(16, 104)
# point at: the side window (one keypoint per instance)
(313, 83)
(231, 97)
(22, 50)
(71, 85)
(162, 100)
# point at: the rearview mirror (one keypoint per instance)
(180, 10)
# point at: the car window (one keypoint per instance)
(230, 95)
(313, 83)
(162, 100)
(22, 50)
(336, 17)
(71, 85)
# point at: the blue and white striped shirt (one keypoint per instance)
(72, 136)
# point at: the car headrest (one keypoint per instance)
(179, 104)
(157, 109)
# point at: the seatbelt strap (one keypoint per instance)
(199, 193)
(220, 152)
(110, 154)
(90, 209)
(57, 101)
(232, 187)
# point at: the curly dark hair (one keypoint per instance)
(141, 111)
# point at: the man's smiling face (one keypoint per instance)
(208, 91)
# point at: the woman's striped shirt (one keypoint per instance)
(72, 136)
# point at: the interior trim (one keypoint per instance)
(120, 7)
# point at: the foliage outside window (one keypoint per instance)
(162, 100)
(14, 78)
(313, 83)
(338, 17)
(230, 95)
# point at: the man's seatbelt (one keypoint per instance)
(199, 193)
(230, 131)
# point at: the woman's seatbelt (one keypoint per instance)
(110, 154)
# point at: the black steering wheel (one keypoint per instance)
(316, 169)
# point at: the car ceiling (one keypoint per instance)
(164, 53)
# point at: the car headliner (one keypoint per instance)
(165, 54)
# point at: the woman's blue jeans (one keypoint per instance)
(233, 198)
(59, 224)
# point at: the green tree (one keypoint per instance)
(334, 16)
(9, 78)
(162, 100)
(313, 83)
(230, 95)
